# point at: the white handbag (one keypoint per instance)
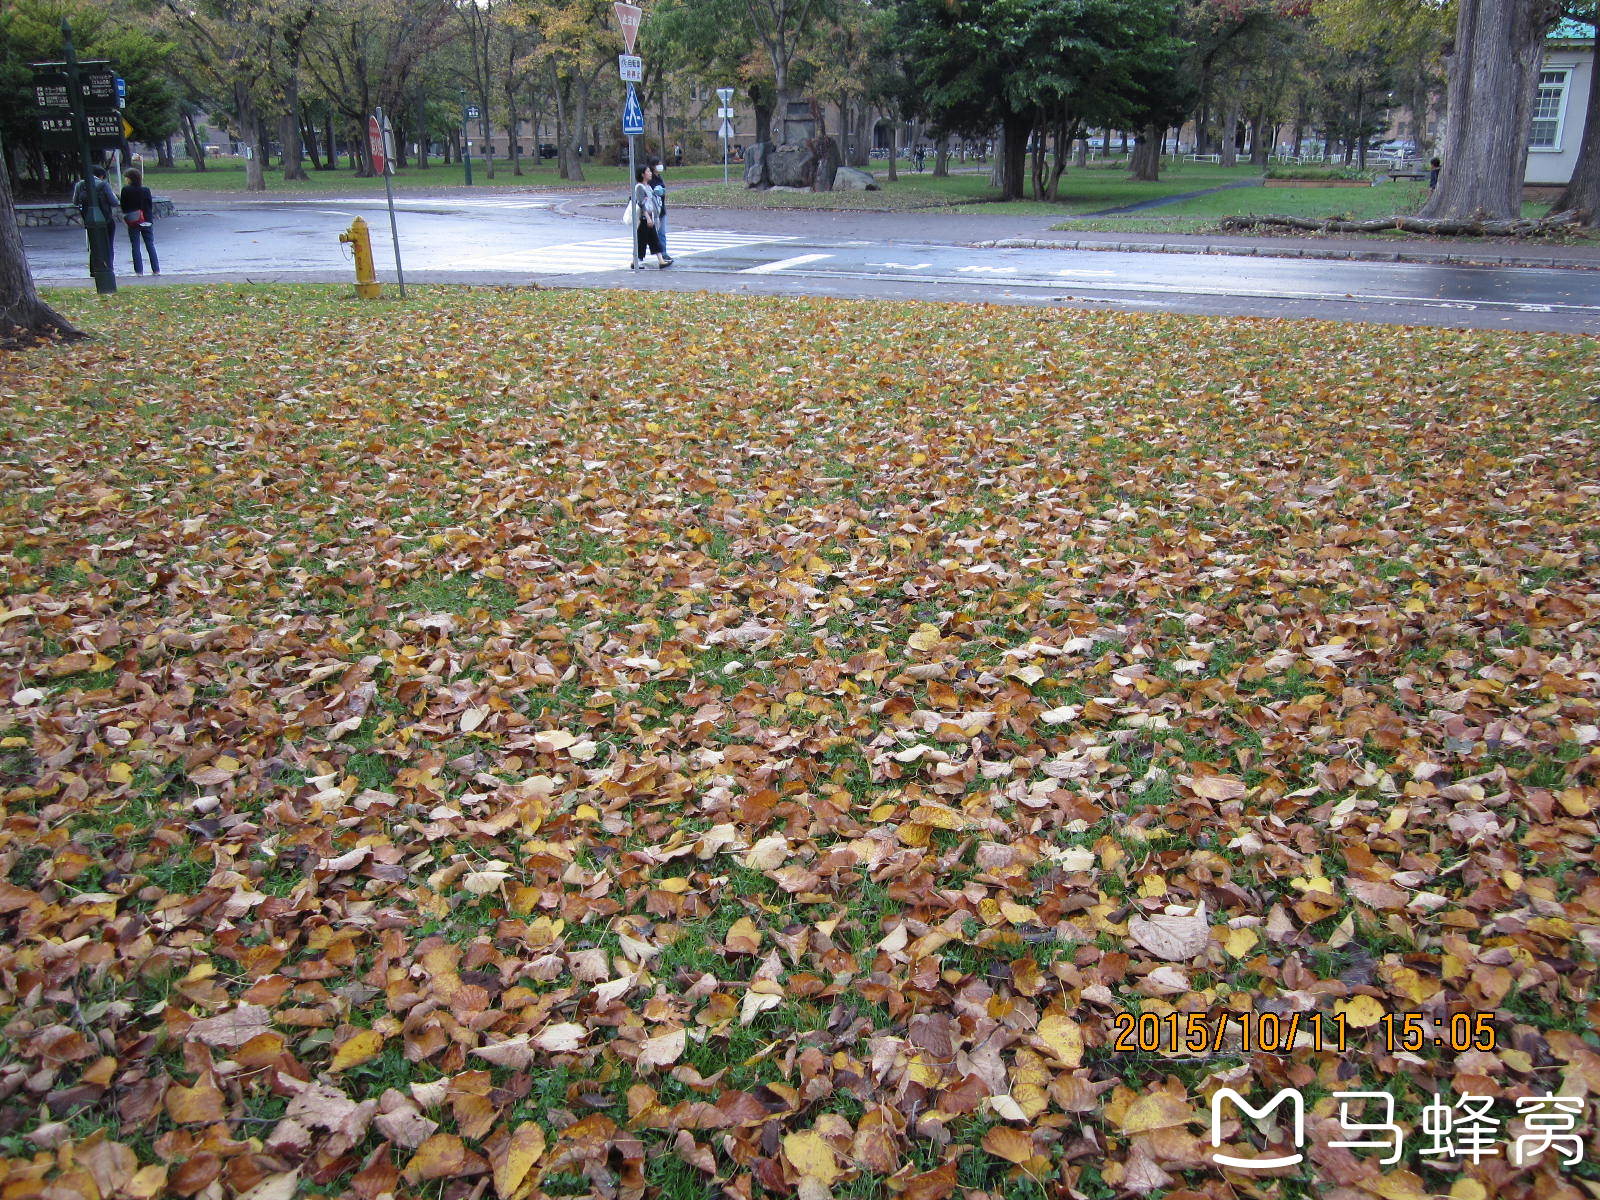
(630, 215)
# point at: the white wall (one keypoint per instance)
(1555, 166)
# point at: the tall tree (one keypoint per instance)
(23, 316)
(1493, 64)
(781, 27)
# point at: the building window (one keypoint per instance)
(1549, 104)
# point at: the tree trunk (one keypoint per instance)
(1498, 44)
(1259, 142)
(514, 124)
(1080, 154)
(1582, 193)
(997, 165)
(255, 179)
(164, 152)
(486, 140)
(1228, 143)
(1015, 156)
(23, 316)
(1146, 161)
(289, 130)
(894, 148)
(331, 140)
(580, 118)
(941, 157)
(191, 141)
(308, 139)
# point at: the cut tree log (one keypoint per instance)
(1544, 227)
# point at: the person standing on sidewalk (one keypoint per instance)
(107, 200)
(646, 240)
(658, 185)
(138, 211)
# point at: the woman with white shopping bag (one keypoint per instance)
(643, 211)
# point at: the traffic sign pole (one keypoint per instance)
(94, 221)
(386, 150)
(725, 95)
(628, 16)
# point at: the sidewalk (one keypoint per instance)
(962, 227)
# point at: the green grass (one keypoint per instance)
(1200, 214)
(1081, 190)
(228, 175)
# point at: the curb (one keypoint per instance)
(1275, 251)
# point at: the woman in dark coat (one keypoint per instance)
(136, 200)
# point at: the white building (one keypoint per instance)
(1565, 77)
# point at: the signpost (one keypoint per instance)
(725, 112)
(80, 103)
(380, 140)
(631, 69)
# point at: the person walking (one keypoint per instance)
(658, 185)
(107, 201)
(1433, 174)
(138, 211)
(646, 240)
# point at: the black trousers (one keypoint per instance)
(647, 240)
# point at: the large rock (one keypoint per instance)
(826, 153)
(755, 165)
(791, 165)
(854, 179)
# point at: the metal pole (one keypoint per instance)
(466, 138)
(388, 188)
(633, 176)
(94, 221)
(724, 153)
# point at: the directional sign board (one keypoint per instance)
(96, 81)
(105, 131)
(122, 92)
(632, 114)
(472, 112)
(725, 95)
(726, 131)
(628, 16)
(632, 67)
(725, 114)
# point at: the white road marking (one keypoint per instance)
(607, 254)
(988, 270)
(783, 264)
(903, 266)
(1084, 274)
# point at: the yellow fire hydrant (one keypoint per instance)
(360, 242)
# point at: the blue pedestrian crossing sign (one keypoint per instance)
(632, 114)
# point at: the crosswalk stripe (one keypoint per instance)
(612, 253)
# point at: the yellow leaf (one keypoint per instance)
(1064, 1037)
(677, 885)
(809, 1154)
(924, 639)
(516, 1158)
(357, 1049)
(1017, 914)
(1013, 1145)
(1239, 942)
(119, 772)
(1360, 1011)
(1468, 1188)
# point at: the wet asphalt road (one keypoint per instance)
(552, 240)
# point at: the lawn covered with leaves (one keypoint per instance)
(552, 743)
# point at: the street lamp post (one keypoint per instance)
(468, 111)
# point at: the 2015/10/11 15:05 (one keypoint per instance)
(1280, 1033)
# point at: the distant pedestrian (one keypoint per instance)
(138, 211)
(922, 156)
(106, 200)
(646, 241)
(658, 185)
(1433, 174)
(677, 155)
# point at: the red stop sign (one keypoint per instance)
(375, 144)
